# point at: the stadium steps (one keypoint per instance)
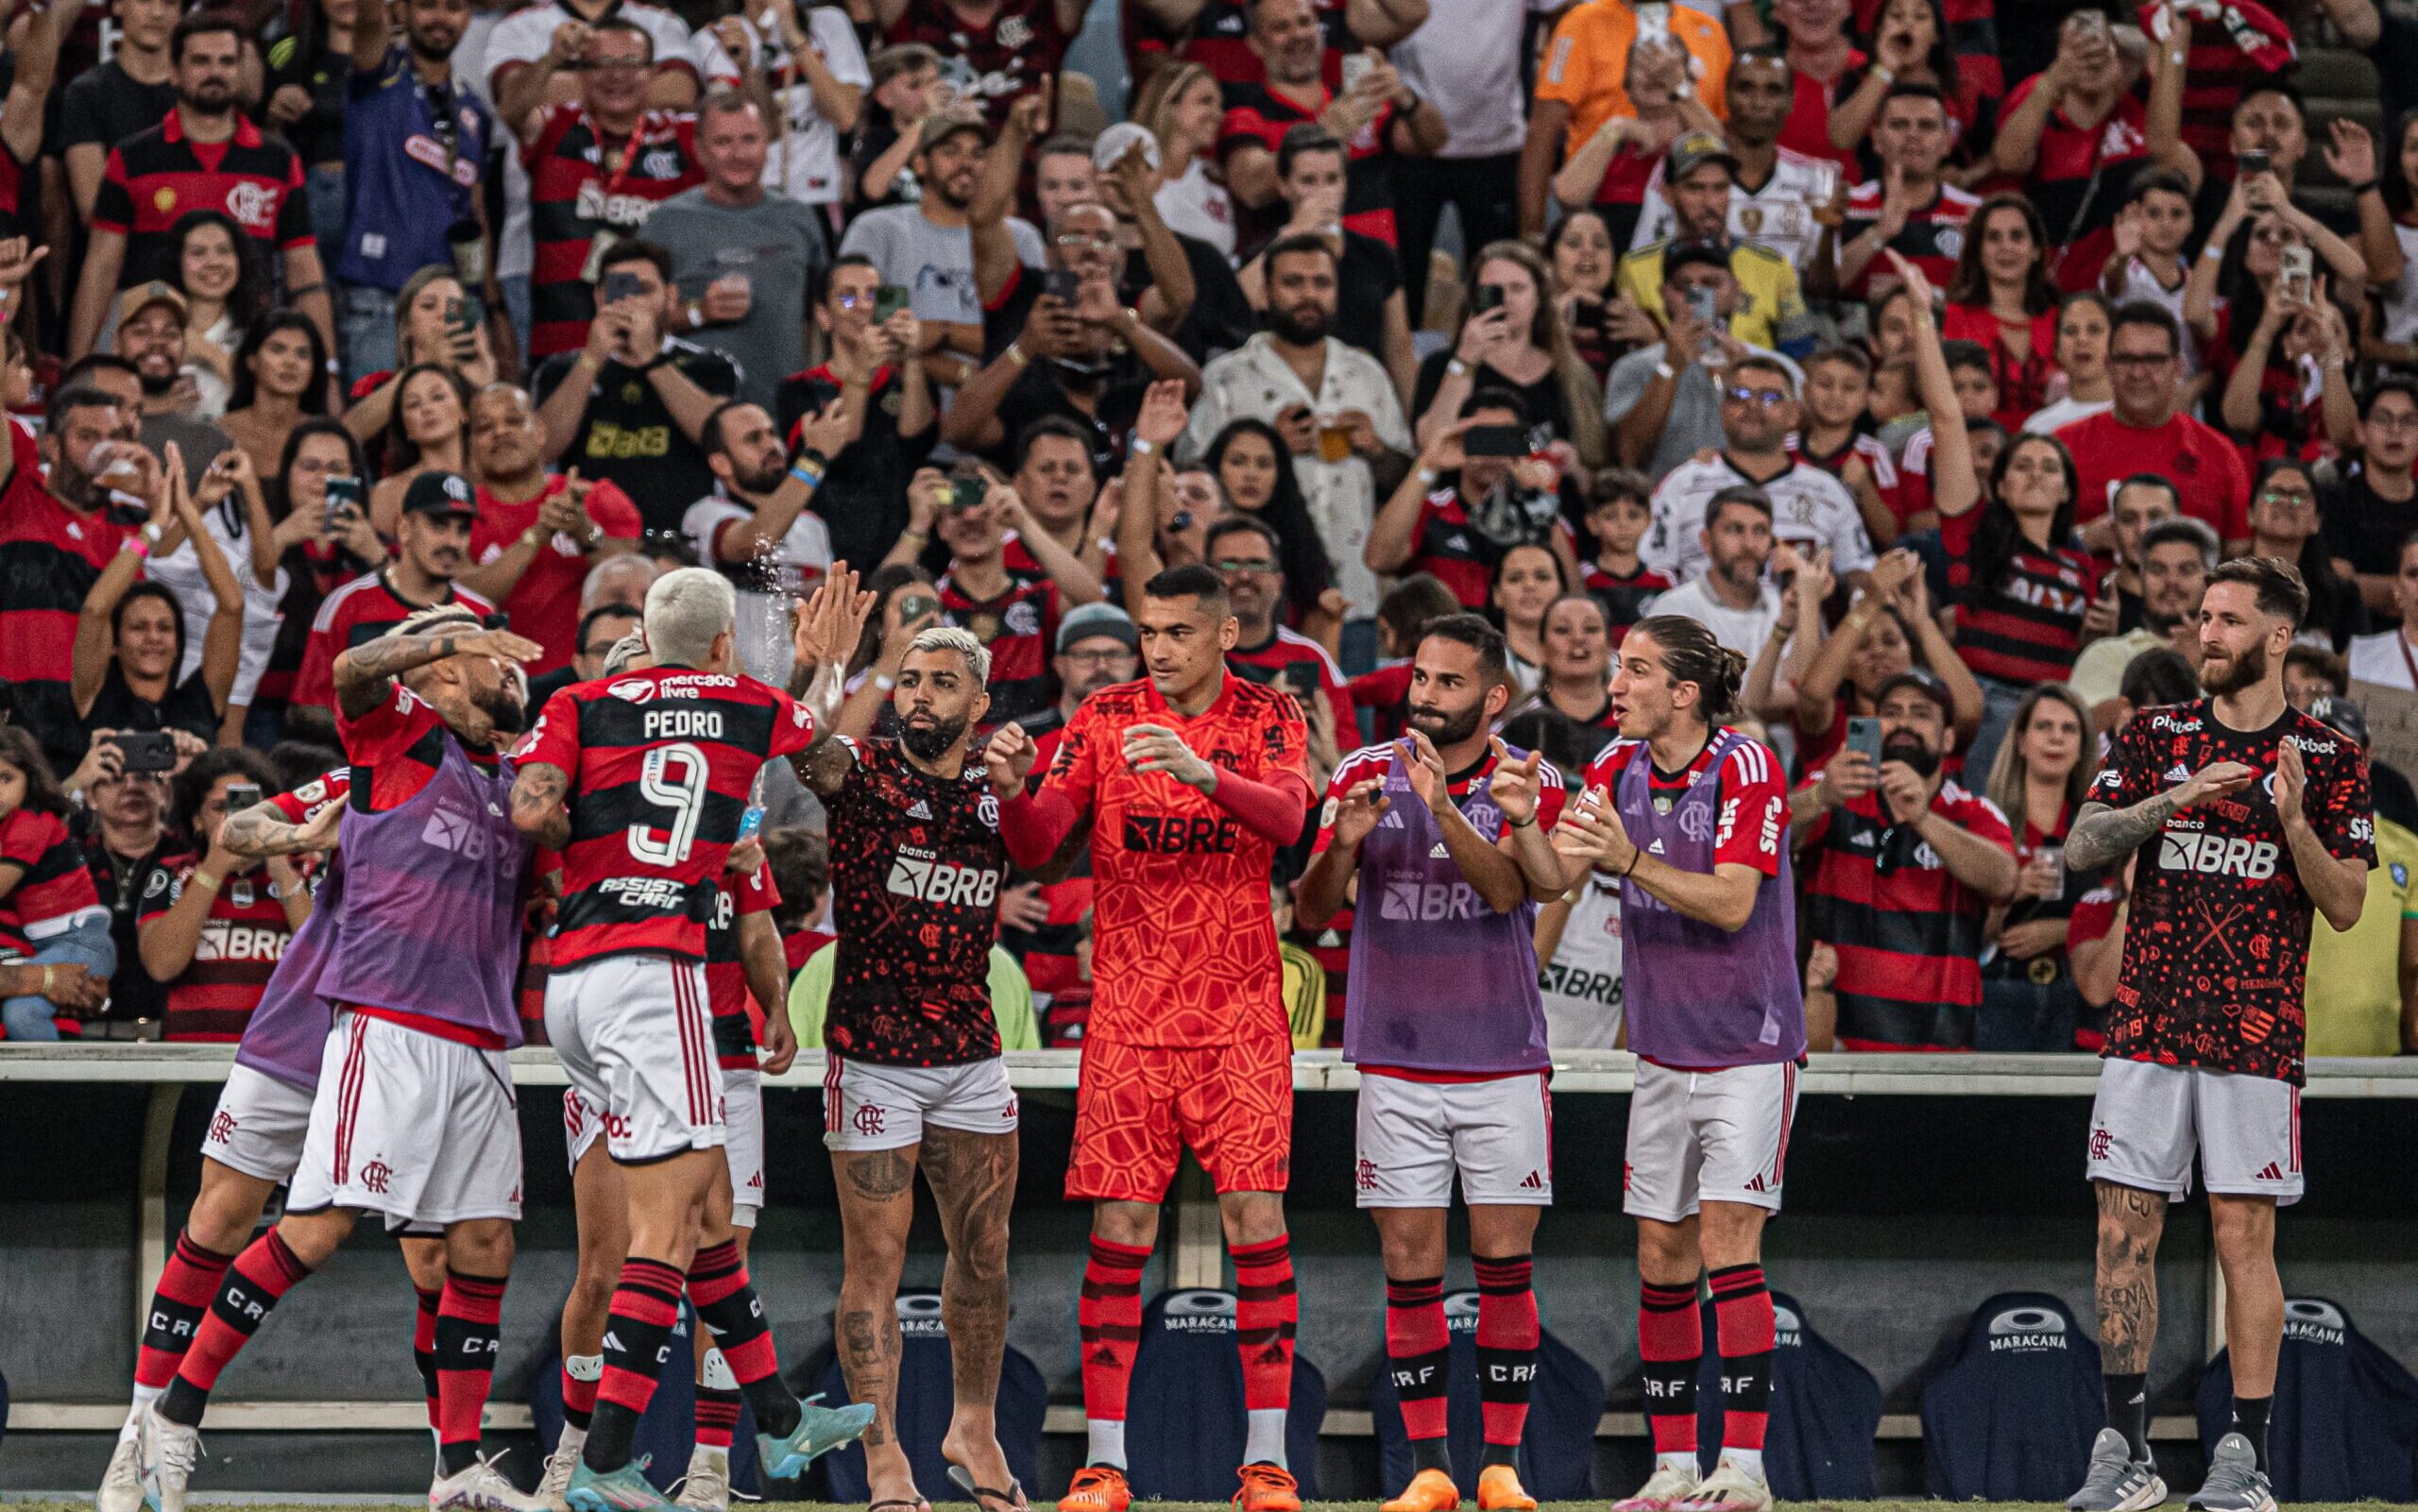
(2337, 81)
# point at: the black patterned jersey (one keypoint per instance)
(916, 868)
(2216, 950)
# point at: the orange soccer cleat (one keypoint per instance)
(1268, 1488)
(1428, 1491)
(1499, 1490)
(1097, 1488)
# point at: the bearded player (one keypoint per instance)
(1193, 779)
(1446, 831)
(641, 781)
(2204, 1036)
(1690, 817)
(913, 1075)
(413, 1117)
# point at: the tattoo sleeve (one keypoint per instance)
(363, 672)
(821, 689)
(537, 808)
(259, 832)
(2103, 836)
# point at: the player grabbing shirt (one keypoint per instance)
(1689, 816)
(1446, 831)
(2242, 818)
(1192, 779)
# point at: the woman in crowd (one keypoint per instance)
(1570, 716)
(1517, 342)
(2083, 321)
(430, 431)
(1888, 629)
(1604, 325)
(1255, 471)
(2284, 524)
(218, 268)
(2040, 779)
(1907, 44)
(2282, 352)
(433, 324)
(319, 553)
(2003, 299)
(130, 636)
(2394, 336)
(1183, 107)
(194, 904)
(50, 915)
(280, 379)
(1527, 580)
(235, 513)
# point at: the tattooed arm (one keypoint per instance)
(537, 808)
(263, 830)
(365, 675)
(2105, 837)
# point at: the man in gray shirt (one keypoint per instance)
(742, 256)
(928, 247)
(1665, 409)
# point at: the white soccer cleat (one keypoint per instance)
(168, 1452)
(1730, 1487)
(1671, 1481)
(706, 1487)
(122, 1483)
(560, 1465)
(481, 1487)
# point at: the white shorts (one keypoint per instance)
(742, 1094)
(257, 1127)
(1498, 1133)
(2148, 1118)
(867, 1106)
(420, 1128)
(634, 1035)
(1706, 1136)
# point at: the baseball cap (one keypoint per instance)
(947, 123)
(144, 296)
(2344, 715)
(1097, 620)
(1693, 150)
(1118, 140)
(1679, 254)
(1921, 680)
(441, 493)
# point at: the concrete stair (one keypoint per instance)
(2337, 81)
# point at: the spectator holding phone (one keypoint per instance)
(1477, 493)
(434, 323)
(130, 635)
(212, 924)
(235, 513)
(320, 545)
(539, 531)
(50, 915)
(1008, 582)
(874, 371)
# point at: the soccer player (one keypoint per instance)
(914, 1075)
(2205, 1035)
(1692, 816)
(1193, 779)
(639, 782)
(1446, 830)
(413, 1117)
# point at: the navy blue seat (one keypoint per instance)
(2010, 1417)
(1556, 1451)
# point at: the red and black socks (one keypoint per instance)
(1741, 1316)
(1108, 1318)
(1506, 1352)
(718, 1400)
(638, 1341)
(1266, 1311)
(182, 1298)
(264, 1273)
(581, 1375)
(470, 1329)
(1669, 1342)
(1419, 1356)
(424, 1349)
(729, 1310)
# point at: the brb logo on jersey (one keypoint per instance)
(920, 874)
(1180, 835)
(1427, 902)
(2253, 859)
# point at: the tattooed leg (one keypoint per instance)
(877, 1210)
(973, 1186)
(2130, 1222)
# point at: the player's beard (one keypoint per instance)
(929, 742)
(501, 707)
(2247, 670)
(1443, 728)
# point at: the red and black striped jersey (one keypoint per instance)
(242, 938)
(363, 609)
(2025, 628)
(53, 886)
(1020, 625)
(302, 805)
(395, 750)
(1258, 116)
(50, 556)
(735, 896)
(994, 64)
(660, 763)
(157, 177)
(580, 189)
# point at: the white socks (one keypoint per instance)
(1749, 1460)
(1107, 1441)
(1265, 1441)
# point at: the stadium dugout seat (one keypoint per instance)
(2011, 1416)
(925, 1399)
(1184, 1414)
(2344, 1426)
(1825, 1410)
(669, 1430)
(1557, 1452)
